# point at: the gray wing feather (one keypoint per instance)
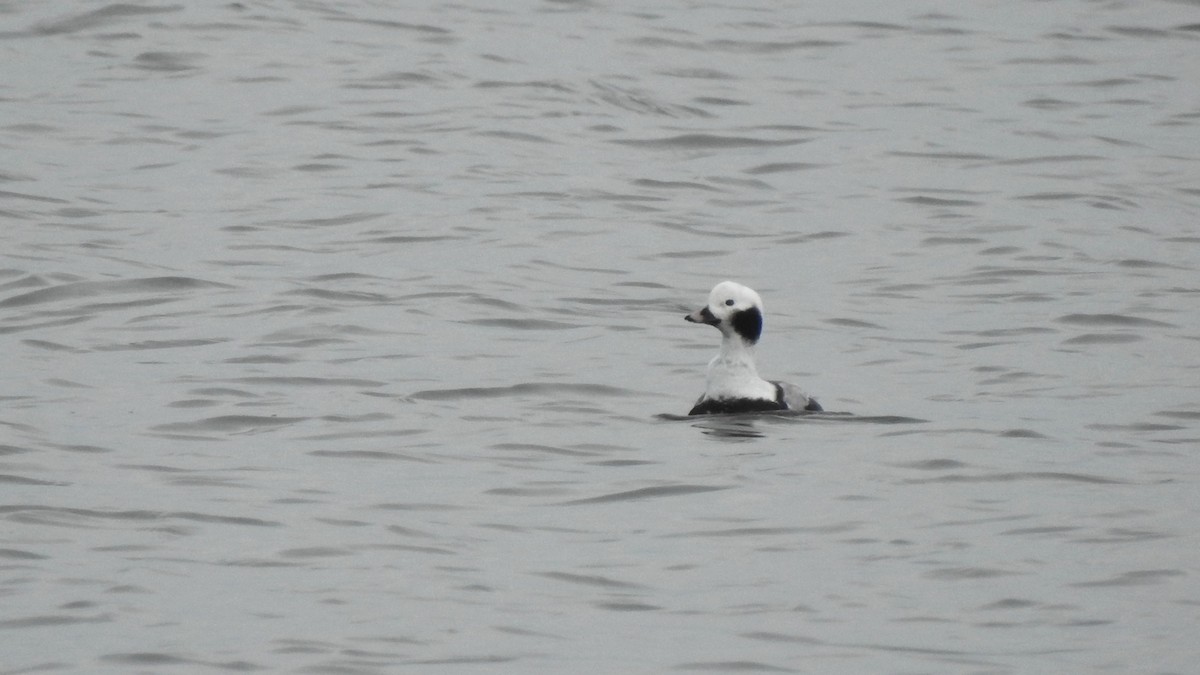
(795, 398)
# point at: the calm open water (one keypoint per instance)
(347, 337)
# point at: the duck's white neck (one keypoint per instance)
(732, 374)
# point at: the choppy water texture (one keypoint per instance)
(347, 337)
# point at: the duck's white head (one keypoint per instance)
(734, 309)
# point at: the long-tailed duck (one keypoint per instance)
(733, 382)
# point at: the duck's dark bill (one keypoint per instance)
(702, 315)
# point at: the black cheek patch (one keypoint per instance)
(748, 323)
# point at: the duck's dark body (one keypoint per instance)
(732, 406)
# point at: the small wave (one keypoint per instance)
(1058, 476)
(536, 388)
(159, 344)
(21, 480)
(1180, 414)
(86, 289)
(934, 465)
(649, 493)
(1136, 578)
(1111, 320)
(854, 323)
(707, 142)
(943, 155)
(541, 449)
(733, 667)
(170, 62)
(315, 552)
(338, 296)
(52, 620)
(16, 554)
(673, 184)
(589, 580)
(311, 381)
(644, 103)
(423, 28)
(371, 455)
(957, 573)
(1136, 427)
(411, 239)
(514, 136)
(99, 17)
(224, 520)
(230, 424)
(779, 167)
(1102, 339)
(71, 517)
(923, 200)
(767, 46)
(522, 324)
(146, 659)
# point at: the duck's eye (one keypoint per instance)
(729, 302)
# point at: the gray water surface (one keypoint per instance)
(347, 337)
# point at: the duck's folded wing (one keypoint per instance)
(795, 398)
